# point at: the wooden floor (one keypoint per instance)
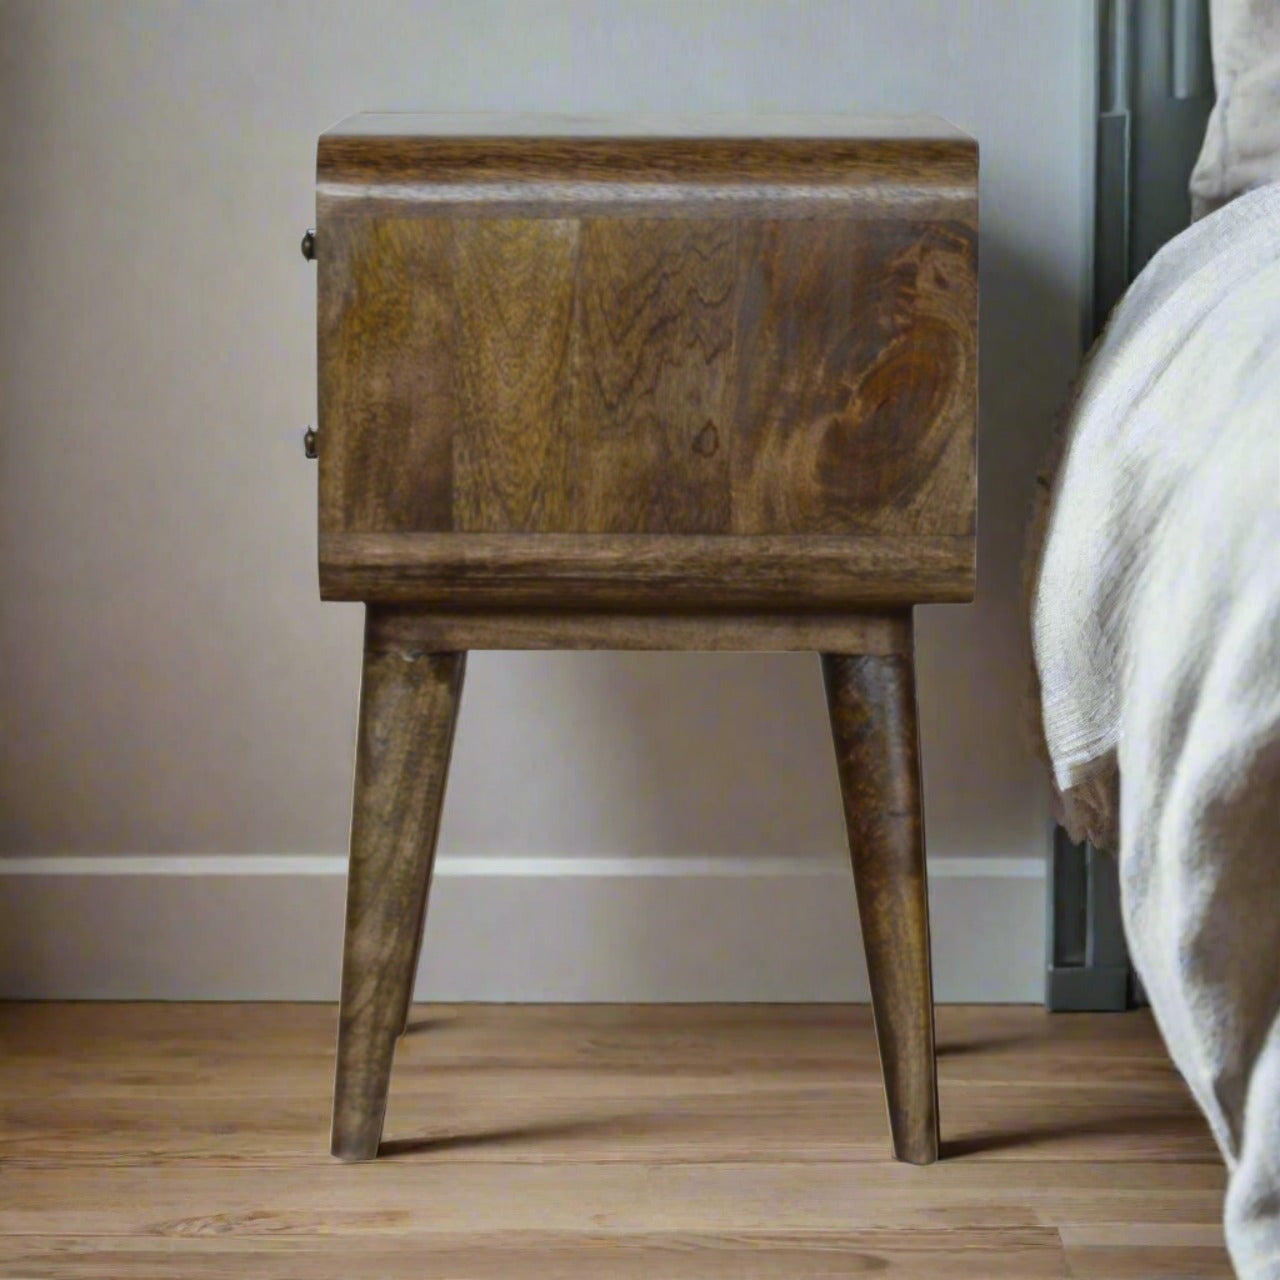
(571, 1141)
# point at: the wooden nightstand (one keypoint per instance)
(675, 383)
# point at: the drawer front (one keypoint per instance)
(575, 366)
(648, 375)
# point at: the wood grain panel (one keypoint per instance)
(654, 337)
(765, 340)
(386, 394)
(698, 573)
(856, 379)
(512, 448)
(859, 176)
(554, 629)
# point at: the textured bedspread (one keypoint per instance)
(1156, 627)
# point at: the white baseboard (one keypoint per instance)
(504, 929)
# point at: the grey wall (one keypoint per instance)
(171, 683)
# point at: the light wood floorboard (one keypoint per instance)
(655, 1141)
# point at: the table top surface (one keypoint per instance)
(479, 124)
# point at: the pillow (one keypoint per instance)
(1242, 142)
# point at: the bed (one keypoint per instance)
(1155, 619)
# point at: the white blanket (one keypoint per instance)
(1242, 142)
(1156, 627)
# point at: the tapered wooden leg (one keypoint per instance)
(408, 709)
(872, 701)
(419, 929)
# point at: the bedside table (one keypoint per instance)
(668, 383)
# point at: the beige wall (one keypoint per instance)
(171, 682)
